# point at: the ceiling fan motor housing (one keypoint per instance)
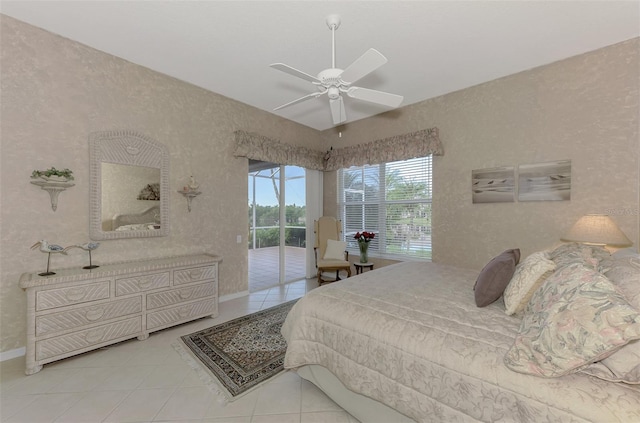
(331, 77)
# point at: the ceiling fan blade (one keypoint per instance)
(371, 60)
(337, 110)
(301, 99)
(295, 72)
(373, 96)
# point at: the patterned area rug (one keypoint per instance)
(241, 353)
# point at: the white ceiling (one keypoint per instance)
(433, 47)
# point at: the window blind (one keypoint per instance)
(393, 200)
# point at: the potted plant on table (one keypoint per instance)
(364, 238)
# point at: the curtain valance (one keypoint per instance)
(400, 147)
(258, 147)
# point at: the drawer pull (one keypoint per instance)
(196, 273)
(144, 283)
(94, 336)
(94, 314)
(184, 311)
(186, 293)
(76, 294)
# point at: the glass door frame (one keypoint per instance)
(282, 216)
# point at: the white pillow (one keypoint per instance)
(527, 277)
(335, 250)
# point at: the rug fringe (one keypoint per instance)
(216, 386)
(223, 396)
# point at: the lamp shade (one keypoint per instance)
(597, 229)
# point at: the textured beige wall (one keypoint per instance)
(584, 108)
(54, 93)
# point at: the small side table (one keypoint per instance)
(361, 266)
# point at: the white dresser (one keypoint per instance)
(78, 310)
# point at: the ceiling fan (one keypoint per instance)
(334, 81)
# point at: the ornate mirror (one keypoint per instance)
(129, 193)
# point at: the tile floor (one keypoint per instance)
(264, 266)
(147, 381)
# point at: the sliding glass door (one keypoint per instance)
(277, 228)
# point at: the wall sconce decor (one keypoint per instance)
(53, 181)
(190, 191)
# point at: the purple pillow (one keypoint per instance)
(495, 277)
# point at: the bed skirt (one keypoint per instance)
(361, 407)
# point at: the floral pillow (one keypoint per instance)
(572, 253)
(624, 365)
(528, 277)
(576, 318)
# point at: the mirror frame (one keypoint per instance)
(127, 148)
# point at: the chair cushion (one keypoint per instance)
(335, 250)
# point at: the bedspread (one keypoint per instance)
(410, 336)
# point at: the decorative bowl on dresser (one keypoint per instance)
(79, 310)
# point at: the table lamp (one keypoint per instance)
(597, 229)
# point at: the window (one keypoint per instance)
(393, 200)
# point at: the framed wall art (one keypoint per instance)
(494, 185)
(550, 181)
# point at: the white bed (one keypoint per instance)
(408, 340)
(146, 220)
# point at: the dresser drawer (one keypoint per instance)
(184, 312)
(61, 345)
(57, 322)
(180, 295)
(127, 286)
(60, 297)
(194, 274)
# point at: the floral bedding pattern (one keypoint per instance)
(528, 277)
(573, 253)
(410, 336)
(624, 365)
(577, 317)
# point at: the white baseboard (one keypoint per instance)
(233, 296)
(8, 355)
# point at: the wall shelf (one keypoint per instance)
(54, 188)
(189, 195)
